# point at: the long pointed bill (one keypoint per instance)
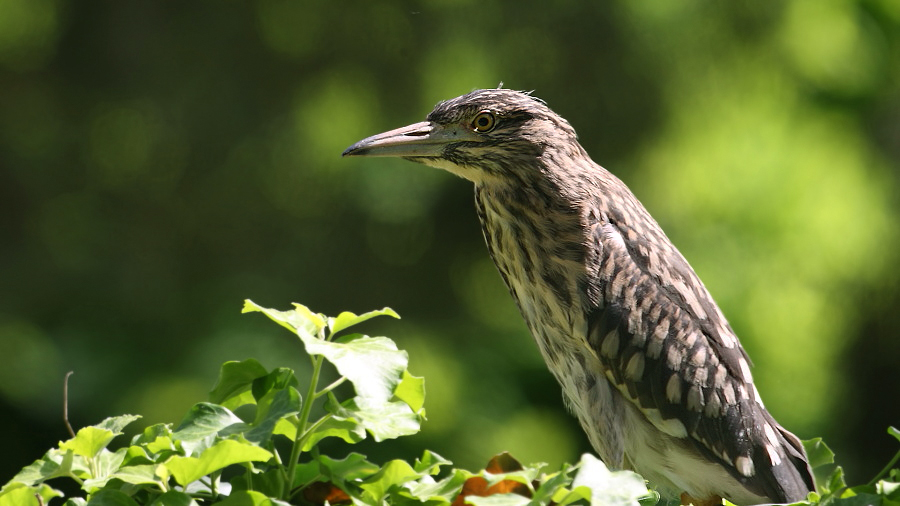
(416, 140)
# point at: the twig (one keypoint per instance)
(66, 403)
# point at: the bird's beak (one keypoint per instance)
(425, 139)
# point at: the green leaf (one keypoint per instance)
(106, 463)
(250, 498)
(223, 454)
(270, 482)
(271, 408)
(301, 318)
(235, 379)
(443, 491)
(384, 420)
(551, 486)
(19, 494)
(117, 423)
(392, 474)
(430, 463)
(894, 431)
(373, 364)
(499, 500)
(818, 453)
(352, 467)
(111, 497)
(347, 319)
(174, 498)
(202, 423)
(91, 439)
(55, 463)
(346, 429)
(144, 474)
(411, 390)
(618, 488)
(153, 433)
(279, 379)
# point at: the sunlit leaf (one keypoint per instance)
(250, 498)
(384, 420)
(111, 497)
(174, 498)
(616, 488)
(347, 319)
(236, 379)
(392, 474)
(373, 364)
(299, 319)
(411, 390)
(348, 430)
(430, 463)
(106, 463)
(221, 455)
(352, 467)
(90, 440)
(19, 494)
(203, 422)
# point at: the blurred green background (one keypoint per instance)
(162, 161)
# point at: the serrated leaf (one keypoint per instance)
(174, 498)
(553, 486)
(430, 463)
(441, 492)
(411, 390)
(235, 380)
(614, 488)
(144, 474)
(223, 454)
(300, 318)
(352, 467)
(347, 319)
(818, 453)
(152, 433)
(117, 423)
(373, 364)
(91, 439)
(279, 379)
(384, 420)
(271, 408)
(19, 494)
(53, 464)
(348, 430)
(498, 500)
(250, 498)
(111, 497)
(106, 463)
(392, 474)
(203, 422)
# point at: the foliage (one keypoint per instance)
(255, 442)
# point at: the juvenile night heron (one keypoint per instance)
(646, 360)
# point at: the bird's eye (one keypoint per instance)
(484, 122)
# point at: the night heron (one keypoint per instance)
(645, 358)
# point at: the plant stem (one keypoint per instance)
(886, 469)
(331, 387)
(305, 409)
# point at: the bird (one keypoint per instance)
(647, 361)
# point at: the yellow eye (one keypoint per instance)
(484, 122)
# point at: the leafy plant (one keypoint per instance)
(255, 442)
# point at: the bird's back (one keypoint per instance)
(646, 359)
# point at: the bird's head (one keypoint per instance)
(484, 136)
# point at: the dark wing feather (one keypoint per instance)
(666, 346)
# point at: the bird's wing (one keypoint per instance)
(667, 347)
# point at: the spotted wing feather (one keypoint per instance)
(667, 347)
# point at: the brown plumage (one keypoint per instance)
(645, 358)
